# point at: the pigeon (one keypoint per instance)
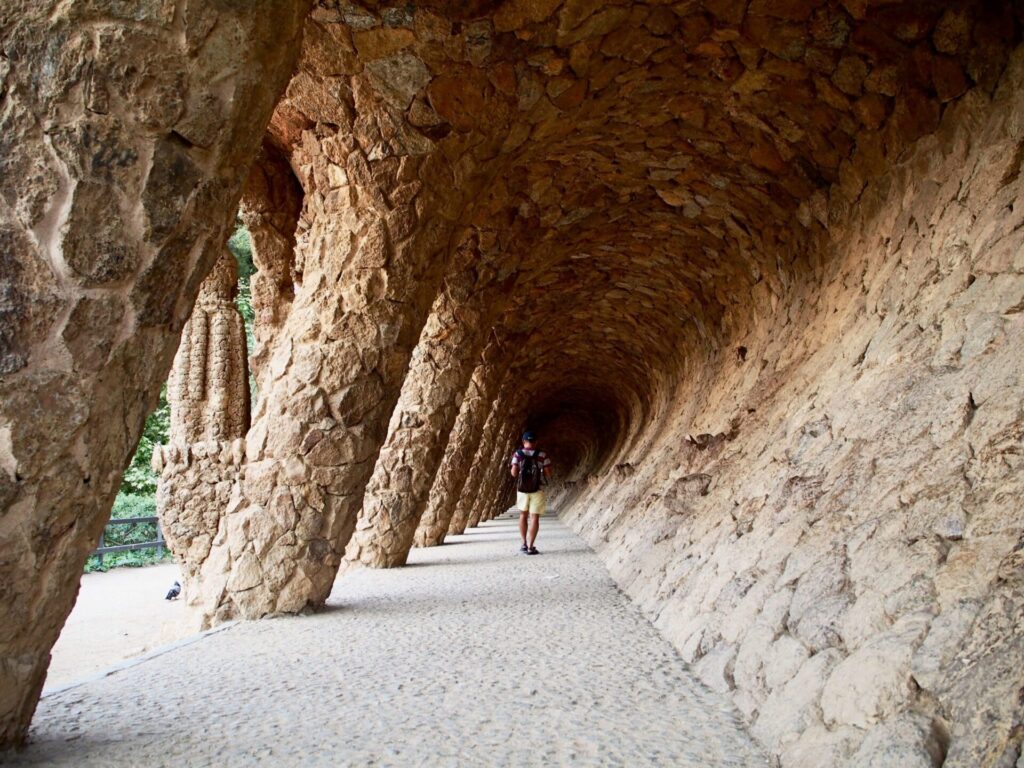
(173, 592)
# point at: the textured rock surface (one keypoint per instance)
(270, 207)
(208, 392)
(827, 498)
(439, 372)
(462, 445)
(126, 130)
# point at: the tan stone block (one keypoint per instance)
(380, 42)
(874, 681)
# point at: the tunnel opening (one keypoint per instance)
(581, 428)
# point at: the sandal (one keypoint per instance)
(532, 551)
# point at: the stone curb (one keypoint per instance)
(136, 660)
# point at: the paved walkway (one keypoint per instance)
(474, 655)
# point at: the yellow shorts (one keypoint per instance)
(531, 502)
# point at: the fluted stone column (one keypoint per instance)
(421, 423)
(208, 392)
(127, 131)
(457, 463)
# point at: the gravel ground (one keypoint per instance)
(473, 655)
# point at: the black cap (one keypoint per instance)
(529, 436)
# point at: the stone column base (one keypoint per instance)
(195, 487)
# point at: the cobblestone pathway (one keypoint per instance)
(474, 655)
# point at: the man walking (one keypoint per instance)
(532, 469)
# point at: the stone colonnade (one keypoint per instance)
(382, 235)
(772, 264)
(460, 452)
(442, 365)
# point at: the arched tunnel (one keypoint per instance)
(750, 268)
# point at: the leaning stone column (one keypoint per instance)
(209, 397)
(501, 500)
(478, 475)
(376, 239)
(127, 130)
(407, 465)
(270, 207)
(457, 462)
(496, 473)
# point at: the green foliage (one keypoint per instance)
(132, 505)
(139, 478)
(240, 245)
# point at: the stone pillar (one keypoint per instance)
(270, 208)
(504, 497)
(208, 392)
(457, 463)
(495, 476)
(375, 240)
(126, 131)
(478, 475)
(421, 423)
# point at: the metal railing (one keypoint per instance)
(157, 544)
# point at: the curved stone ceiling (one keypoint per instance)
(656, 162)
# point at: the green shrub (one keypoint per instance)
(129, 505)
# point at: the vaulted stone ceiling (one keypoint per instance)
(664, 158)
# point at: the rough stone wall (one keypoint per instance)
(125, 133)
(827, 524)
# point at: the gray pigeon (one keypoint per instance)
(173, 592)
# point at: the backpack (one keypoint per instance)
(530, 473)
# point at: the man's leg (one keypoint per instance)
(534, 527)
(523, 502)
(537, 508)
